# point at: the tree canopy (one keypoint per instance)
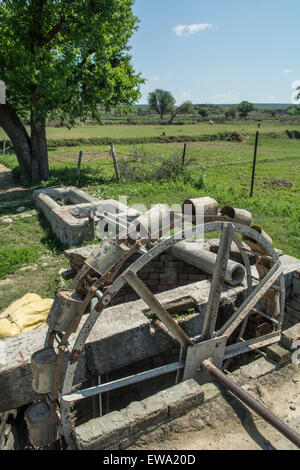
(244, 108)
(71, 56)
(186, 107)
(204, 112)
(161, 102)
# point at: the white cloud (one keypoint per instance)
(188, 29)
(227, 97)
(186, 95)
(286, 71)
(156, 78)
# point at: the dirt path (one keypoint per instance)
(232, 426)
(9, 186)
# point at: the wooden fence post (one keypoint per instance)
(79, 163)
(112, 149)
(183, 155)
(254, 164)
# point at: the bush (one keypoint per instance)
(145, 167)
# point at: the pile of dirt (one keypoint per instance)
(237, 137)
(285, 183)
(293, 134)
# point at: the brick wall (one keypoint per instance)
(161, 274)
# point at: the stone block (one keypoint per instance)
(290, 336)
(290, 264)
(155, 413)
(211, 391)
(182, 397)
(102, 433)
(279, 354)
(257, 368)
(135, 414)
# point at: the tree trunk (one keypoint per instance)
(17, 133)
(31, 152)
(40, 167)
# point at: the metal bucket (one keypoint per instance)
(43, 364)
(253, 244)
(104, 256)
(41, 424)
(264, 234)
(238, 215)
(64, 309)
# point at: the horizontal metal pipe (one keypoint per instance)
(255, 405)
(133, 379)
(250, 345)
(192, 253)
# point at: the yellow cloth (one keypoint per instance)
(28, 313)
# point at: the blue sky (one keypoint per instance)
(219, 51)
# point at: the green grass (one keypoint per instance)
(28, 241)
(127, 131)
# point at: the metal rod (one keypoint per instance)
(182, 358)
(254, 163)
(159, 324)
(265, 315)
(146, 295)
(217, 282)
(255, 405)
(246, 346)
(149, 374)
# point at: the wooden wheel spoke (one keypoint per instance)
(217, 281)
(142, 290)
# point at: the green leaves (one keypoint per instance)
(67, 55)
(161, 102)
(244, 108)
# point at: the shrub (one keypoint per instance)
(145, 167)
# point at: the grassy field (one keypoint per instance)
(125, 131)
(119, 131)
(219, 169)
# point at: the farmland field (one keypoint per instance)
(131, 131)
(120, 131)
